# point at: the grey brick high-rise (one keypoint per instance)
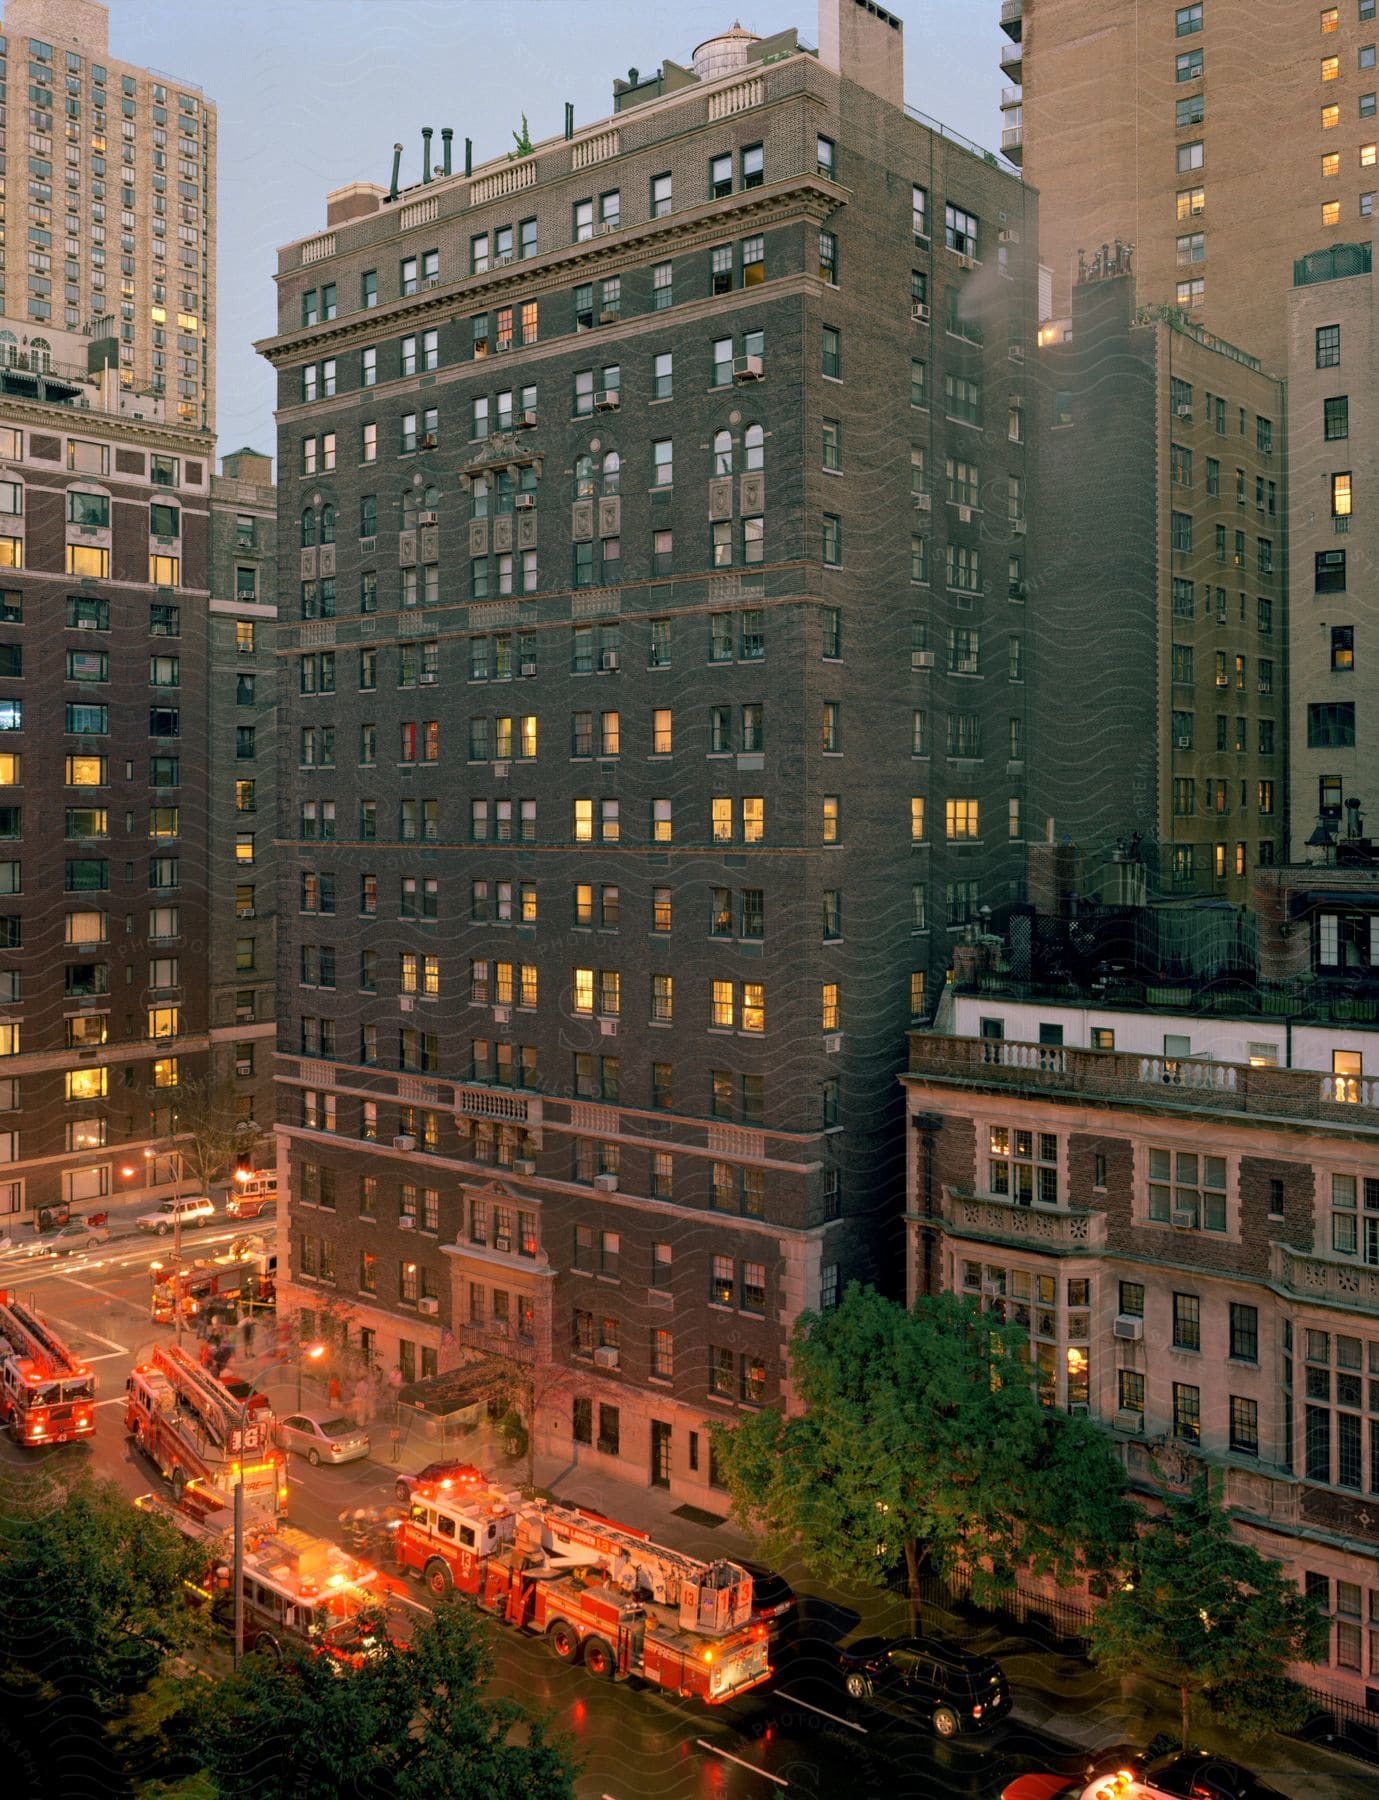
(654, 505)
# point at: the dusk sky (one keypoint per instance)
(314, 93)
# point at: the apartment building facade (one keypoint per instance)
(1161, 563)
(1334, 746)
(1192, 1240)
(105, 553)
(655, 507)
(1221, 138)
(114, 205)
(243, 759)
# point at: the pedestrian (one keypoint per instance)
(246, 1326)
(395, 1380)
(333, 1390)
(361, 1400)
(204, 1355)
(222, 1355)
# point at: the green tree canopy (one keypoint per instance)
(412, 1725)
(92, 1591)
(922, 1435)
(1205, 1612)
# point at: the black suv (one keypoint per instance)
(954, 1691)
(774, 1606)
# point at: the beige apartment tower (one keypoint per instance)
(1221, 138)
(109, 205)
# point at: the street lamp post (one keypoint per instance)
(314, 1352)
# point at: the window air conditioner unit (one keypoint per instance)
(1127, 1420)
(966, 262)
(525, 421)
(367, 546)
(1019, 526)
(922, 659)
(433, 281)
(1183, 410)
(1183, 1218)
(1008, 237)
(500, 770)
(523, 1165)
(606, 1356)
(404, 1143)
(1184, 743)
(1128, 1326)
(428, 440)
(747, 368)
(428, 1303)
(406, 1222)
(609, 317)
(605, 226)
(504, 344)
(607, 1184)
(502, 1015)
(525, 502)
(924, 502)
(964, 515)
(1016, 352)
(833, 1042)
(608, 1027)
(919, 312)
(529, 668)
(609, 660)
(1077, 1409)
(501, 262)
(427, 518)
(405, 1003)
(607, 400)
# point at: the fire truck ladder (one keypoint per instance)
(664, 1569)
(29, 1334)
(207, 1397)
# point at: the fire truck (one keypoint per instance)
(186, 1421)
(599, 1592)
(297, 1588)
(241, 1279)
(46, 1395)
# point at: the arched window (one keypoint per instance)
(308, 528)
(478, 495)
(612, 473)
(411, 506)
(506, 488)
(327, 524)
(722, 452)
(368, 515)
(9, 349)
(754, 447)
(431, 499)
(584, 477)
(40, 354)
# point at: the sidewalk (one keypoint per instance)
(1054, 1693)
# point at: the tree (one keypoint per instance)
(524, 1386)
(92, 1594)
(411, 1725)
(207, 1133)
(1205, 1612)
(922, 1436)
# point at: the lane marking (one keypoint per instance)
(741, 1762)
(114, 1400)
(799, 1699)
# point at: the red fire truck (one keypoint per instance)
(297, 1588)
(241, 1279)
(186, 1421)
(601, 1593)
(46, 1395)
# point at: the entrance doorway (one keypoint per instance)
(660, 1453)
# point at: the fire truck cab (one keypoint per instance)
(600, 1593)
(47, 1396)
(303, 1589)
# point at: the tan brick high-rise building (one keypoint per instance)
(1222, 138)
(109, 205)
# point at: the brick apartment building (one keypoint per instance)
(1173, 1184)
(117, 219)
(1161, 580)
(104, 650)
(243, 759)
(1221, 138)
(656, 508)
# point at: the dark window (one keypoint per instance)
(1244, 1332)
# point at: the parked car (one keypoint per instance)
(774, 1606)
(955, 1691)
(1177, 1775)
(80, 1234)
(195, 1209)
(323, 1437)
(443, 1474)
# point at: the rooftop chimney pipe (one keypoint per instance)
(397, 170)
(426, 152)
(569, 119)
(447, 133)
(468, 156)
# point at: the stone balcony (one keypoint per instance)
(995, 1219)
(1330, 1280)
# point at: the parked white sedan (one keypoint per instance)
(323, 1437)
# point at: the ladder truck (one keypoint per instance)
(47, 1395)
(187, 1422)
(600, 1593)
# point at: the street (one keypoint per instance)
(800, 1734)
